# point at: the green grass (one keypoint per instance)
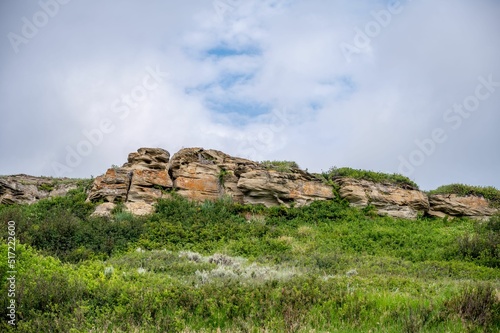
(489, 193)
(281, 166)
(201, 267)
(377, 177)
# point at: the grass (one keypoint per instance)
(281, 166)
(377, 177)
(224, 267)
(489, 193)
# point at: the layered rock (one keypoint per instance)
(24, 189)
(388, 199)
(137, 184)
(199, 174)
(452, 205)
(112, 187)
(210, 174)
(273, 188)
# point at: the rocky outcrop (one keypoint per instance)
(137, 184)
(389, 199)
(199, 174)
(273, 188)
(210, 174)
(206, 174)
(451, 205)
(24, 189)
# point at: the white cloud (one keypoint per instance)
(285, 56)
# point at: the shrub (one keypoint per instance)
(478, 305)
(281, 166)
(377, 177)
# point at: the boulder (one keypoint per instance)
(104, 209)
(149, 159)
(452, 205)
(112, 187)
(388, 199)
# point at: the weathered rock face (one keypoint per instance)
(442, 205)
(148, 159)
(273, 188)
(138, 183)
(200, 174)
(112, 187)
(24, 189)
(389, 199)
(210, 174)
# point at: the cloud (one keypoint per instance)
(261, 79)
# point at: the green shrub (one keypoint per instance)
(482, 246)
(377, 177)
(478, 305)
(281, 166)
(47, 187)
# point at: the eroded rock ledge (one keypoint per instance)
(388, 199)
(205, 174)
(199, 174)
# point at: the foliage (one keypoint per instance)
(47, 187)
(281, 166)
(477, 305)
(377, 177)
(222, 176)
(489, 193)
(222, 266)
(483, 245)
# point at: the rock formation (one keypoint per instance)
(199, 174)
(202, 174)
(205, 174)
(24, 189)
(388, 199)
(137, 184)
(451, 205)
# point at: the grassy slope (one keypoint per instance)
(326, 267)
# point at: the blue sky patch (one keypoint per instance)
(226, 51)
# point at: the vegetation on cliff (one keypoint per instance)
(200, 267)
(489, 193)
(377, 177)
(281, 166)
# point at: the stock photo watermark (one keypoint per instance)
(372, 29)
(454, 118)
(224, 7)
(121, 107)
(11, 273)
(30, 27)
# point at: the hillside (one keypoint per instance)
(232, 262)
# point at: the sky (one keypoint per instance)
(409, 86)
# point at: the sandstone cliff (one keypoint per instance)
(200, 174)
(451, 205)
(388, 199)
(206, 174)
